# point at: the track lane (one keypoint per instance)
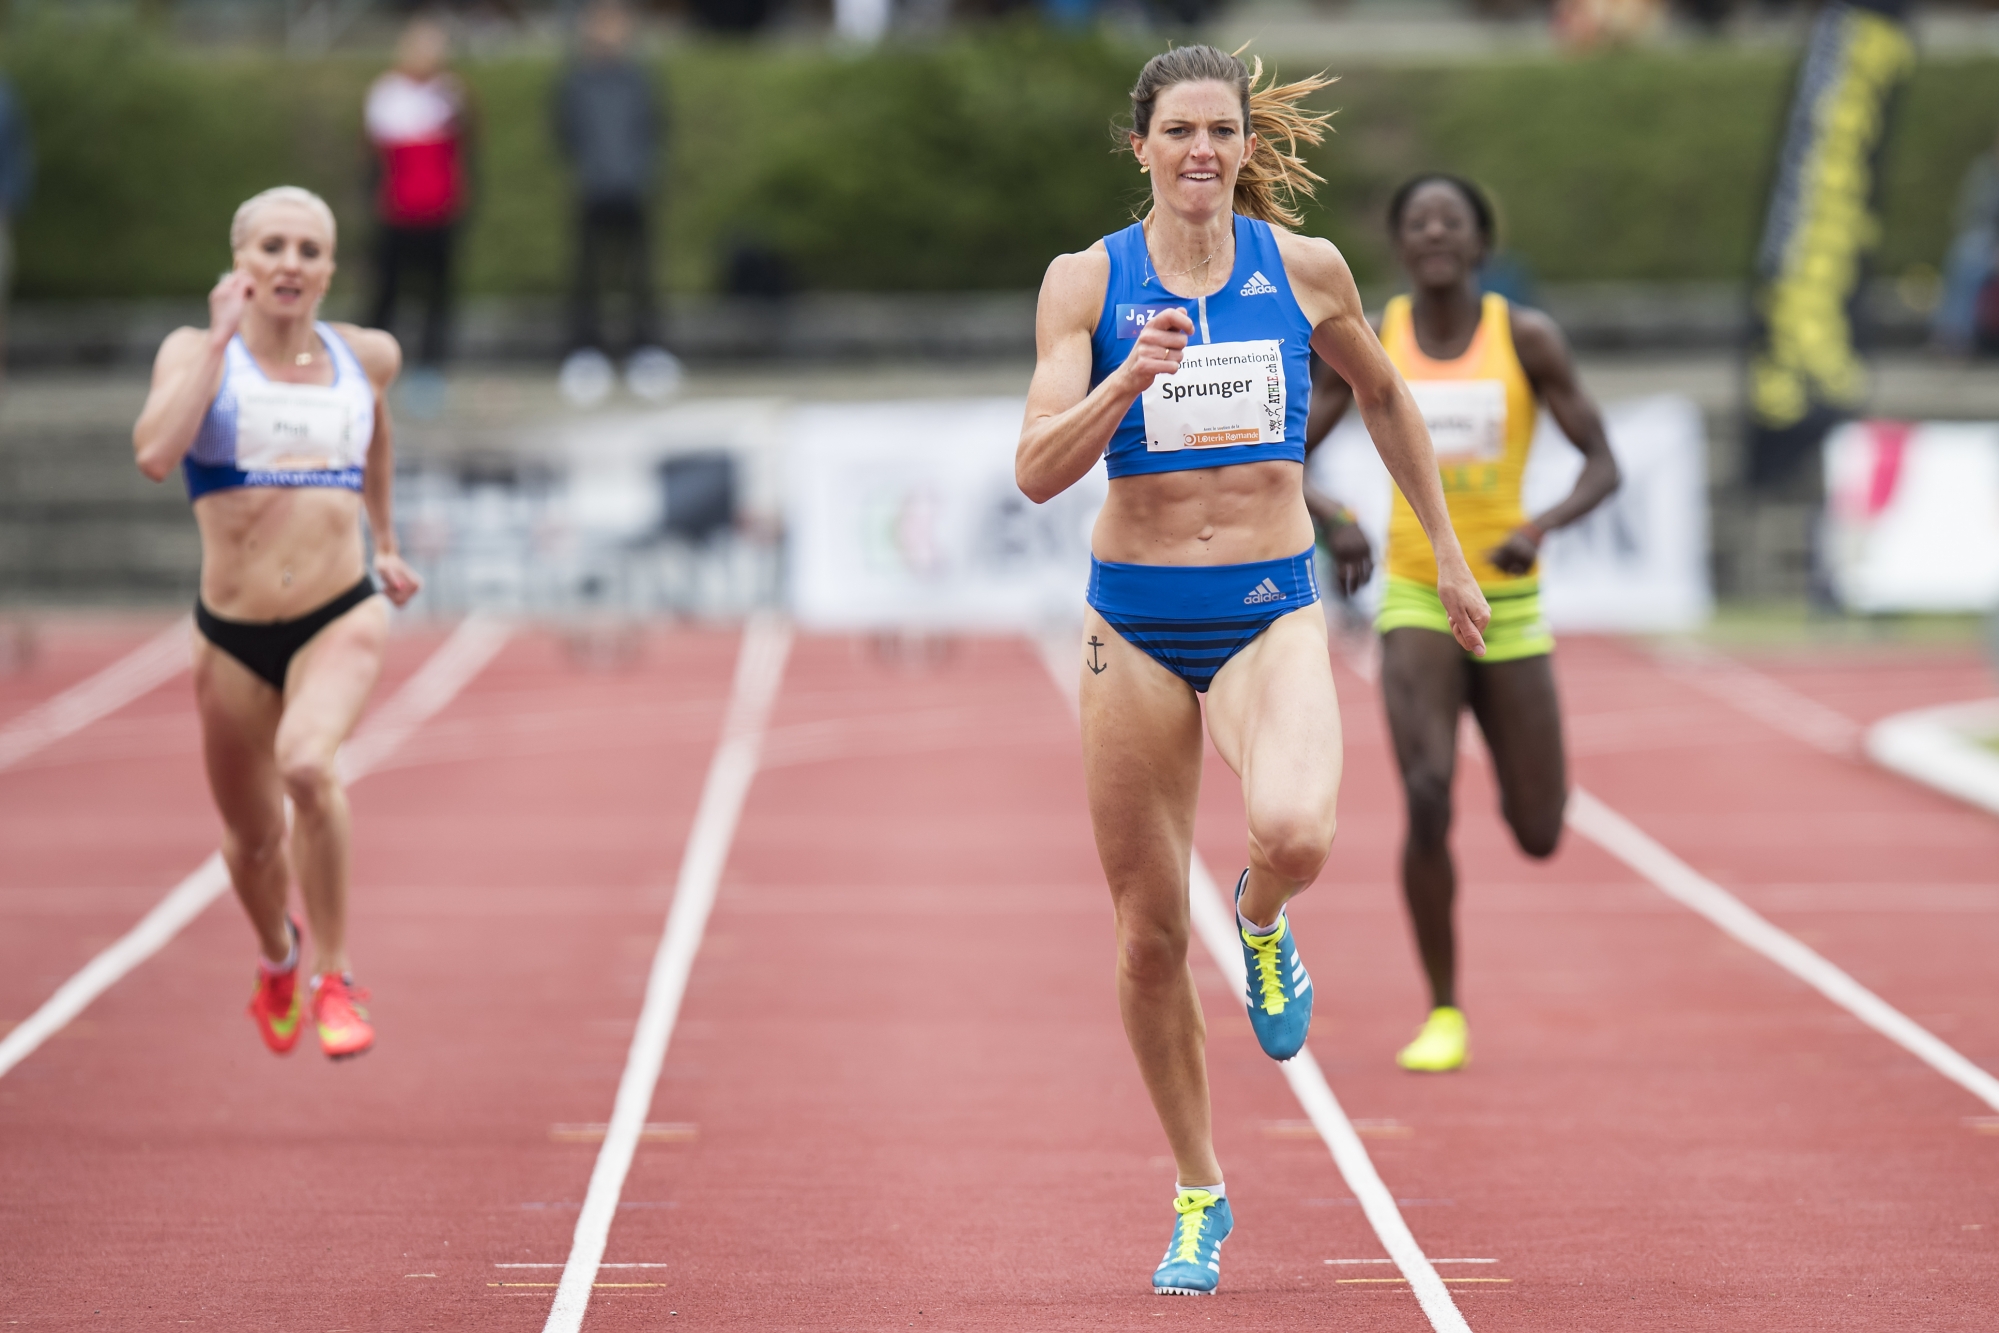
(102, 823)
(1659, 1128)
(901, 1064)
(1896, 883)
(40, 658)
(166, 1167)
(900, 1048)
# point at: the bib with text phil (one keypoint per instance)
(294, 427)
(1223, 394)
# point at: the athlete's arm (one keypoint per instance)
(382, 358)
(1068, 423)
(1341, 336)
(1353, 557)
(1544, 355)
(1331, 397)
(187, 374)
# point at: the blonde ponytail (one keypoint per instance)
(1275, 181)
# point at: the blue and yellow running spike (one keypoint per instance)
(1193, 1262)
(1280, 989)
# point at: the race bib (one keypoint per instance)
(1467, 418)
(294, 428)
(1224, 394)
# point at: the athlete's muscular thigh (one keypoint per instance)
(239, 725)
(1423, 685)
(329, 682)
(1275, 717)
(1518, 710)
(1142, 763)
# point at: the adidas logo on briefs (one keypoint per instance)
(1265, 591)
(1258, 285)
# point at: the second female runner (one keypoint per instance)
(1178, 349)
(1477, 365)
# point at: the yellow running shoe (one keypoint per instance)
(1443, 1043)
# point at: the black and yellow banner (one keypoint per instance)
(1805, 372)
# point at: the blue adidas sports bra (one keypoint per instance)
(261, 432)
(1245, 381)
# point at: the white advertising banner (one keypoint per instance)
(906, 514)
(1912, 515)
(1638, 563)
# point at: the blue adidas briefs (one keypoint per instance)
(1191, 619)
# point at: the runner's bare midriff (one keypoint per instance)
(1205, 516)
(250, 538)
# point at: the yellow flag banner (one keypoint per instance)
(1805, 373)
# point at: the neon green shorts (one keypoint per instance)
(1517, 629)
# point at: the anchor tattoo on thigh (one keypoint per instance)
(1096, 667)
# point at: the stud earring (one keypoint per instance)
(1144, 170)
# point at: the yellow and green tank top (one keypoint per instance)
(1480, 409)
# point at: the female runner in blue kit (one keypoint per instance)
(1179, 350)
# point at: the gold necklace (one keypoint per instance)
(1183, 272)
(302, 359)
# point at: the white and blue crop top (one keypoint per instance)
(260, 432)
(1245, 381)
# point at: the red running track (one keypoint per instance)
(38, 662)
(898, 1095)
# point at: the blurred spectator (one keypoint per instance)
(1967, 318)
(754, 268)
(608, 123)
(1587, 23)
(419, 121)
(17, 174)
(1070, 13)
(1710, 16)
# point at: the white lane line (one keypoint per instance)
(1935, 746)
(1812, 722)
(139, 672)
(471, 646)
(1683, 884)
(476, 642)
(1764, 698)
(1214, 922)
(759, 672)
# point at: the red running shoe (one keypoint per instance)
(343, 1024)
(276, 1006)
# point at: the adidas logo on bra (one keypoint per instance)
(1258, 285)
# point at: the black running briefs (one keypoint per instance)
(267, 647)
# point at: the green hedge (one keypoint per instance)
(959, 166)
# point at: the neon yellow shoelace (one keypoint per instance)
(1193, 1209)
(1269, 976)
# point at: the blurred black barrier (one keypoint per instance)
(1822, 222)
(752, 268)
(1183, 12)
(731, 15)
(700, 495)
